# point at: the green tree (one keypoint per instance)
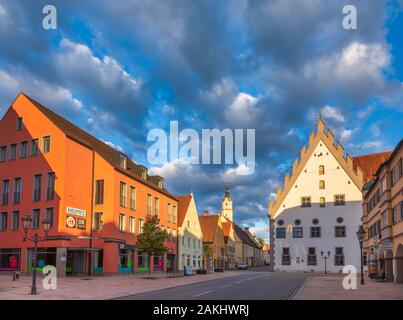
(151, 240)
(261, 242)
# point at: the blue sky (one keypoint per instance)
(119, 69)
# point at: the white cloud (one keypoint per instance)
(57, 97)
(375, 130)
(243, 109)
(3, 11)
(334, 113)
(112, 145)
(234, 174)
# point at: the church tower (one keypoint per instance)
(226, 206)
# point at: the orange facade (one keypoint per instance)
(99, 203)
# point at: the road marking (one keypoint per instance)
(251, 278)
(240, 281)
(203, 293)
(226, 286)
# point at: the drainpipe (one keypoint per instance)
(90, 267)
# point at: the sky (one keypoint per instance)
(121, 68)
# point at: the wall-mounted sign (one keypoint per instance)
(81, 223)
(71, 222)
(76, 212)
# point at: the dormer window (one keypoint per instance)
(161, 184)
(144, 174)
(122, 161)
(19, 124)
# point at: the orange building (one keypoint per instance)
(96, 197)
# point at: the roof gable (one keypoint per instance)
(209, 226)
(184, 202)
(336, 149)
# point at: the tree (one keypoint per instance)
(261, 242)
(151, 240)
(207, 253)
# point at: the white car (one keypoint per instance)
(242, 266)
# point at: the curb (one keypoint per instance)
(294, 294)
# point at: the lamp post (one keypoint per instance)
(361, 236)
(325, 257)
(27, 220)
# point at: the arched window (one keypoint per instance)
(322, 184)
(321, 170)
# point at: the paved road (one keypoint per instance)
(249, 285)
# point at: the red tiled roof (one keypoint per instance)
(370, 163)
(183, 205)
(266, 247)
(208, 226)
(226, 228)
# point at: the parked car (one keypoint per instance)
(242, 266)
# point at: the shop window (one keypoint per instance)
(46, 256)
(125, 261)
(10, 259)
(159, 263)
(142, 263)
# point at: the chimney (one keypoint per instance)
(205, 213)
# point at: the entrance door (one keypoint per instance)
(75, 262)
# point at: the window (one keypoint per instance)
(311, 261)
(3, 221)
(50, 186)
(34, 147)
(157, 206)
(97, 221)
(23, 149)
(397, 172)
(144, 174)
(16, 220)
(340, 231)
(140, 226)
(339, 200)
(174, 214)
(339, 220)
(17, 191)
(280, 232)
(321, 170)
(395, 216)
(37, 188)
(18, 125)
(188, 241)
(122, 222)
(3, 153)
(322, 202)
(339, 257)
(305, 202)
(285, 257)
(13, 151)
(36, 213)
(132, 225)
(161, 184)
(169, 212)
(322, 184)
(315, 232)
(149, 204)
(5, 192)
(50, 215)
(123, 191)
(99, 191)
(46, 144)
(122, 161)
(280, 222)
(297, 232)
(133, 198)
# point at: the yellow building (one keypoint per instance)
(213, 240)
(190, 241)
(383, 218)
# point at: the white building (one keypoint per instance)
(318, 210)
(190, 241)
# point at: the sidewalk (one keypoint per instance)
(331, 288)
(101, 287)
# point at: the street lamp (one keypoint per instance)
(27, 220)
(361, 236)
(325, 257)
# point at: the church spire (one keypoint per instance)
(226, 205)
